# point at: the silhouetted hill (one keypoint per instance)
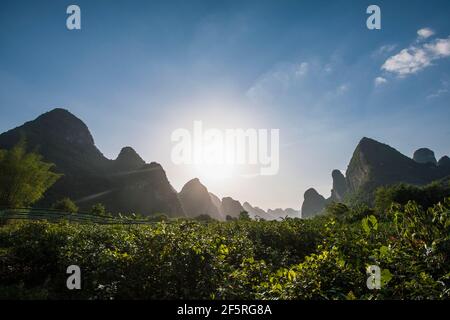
(340, 188)
(196, 200)
(256, 212)
(126, 184)
(313, 203)
(128, 159)
(424, 155)
(279, 213)
(374, 164)
(231, 207)
(270, 214)
(216, 202)
(444, 163)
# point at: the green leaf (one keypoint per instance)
(374, 222)
(386, 276)
(365, 225)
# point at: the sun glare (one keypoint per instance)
(209, 172)
(210, 160)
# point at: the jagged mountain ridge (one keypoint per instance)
(374, 164)
(126, 184)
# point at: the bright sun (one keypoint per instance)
(211, 163)
(214, 171)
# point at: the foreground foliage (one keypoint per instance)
(24, 177)
(322, 258)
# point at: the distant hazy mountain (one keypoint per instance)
(196, 200)
(126, 184)
(375, 164)
(283, 213)
(231, 207)
(256, 212)
(275, 214)
(216, 202)
(313, 203)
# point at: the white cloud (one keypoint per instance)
(440, 47)
(407, 61)
(379, 81)
(425, 33)
(414, 59)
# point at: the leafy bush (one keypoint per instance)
(321, 258)
(244, 216)
(204, 217)
(98, 209)
(426, 196)
(65, 205)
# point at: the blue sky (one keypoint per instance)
(140, 69)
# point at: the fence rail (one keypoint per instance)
(55, 216)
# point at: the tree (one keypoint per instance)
(24, 177)
(65, 205)
(203, 217)
(229, 218)
(244, 216)
(98, 209)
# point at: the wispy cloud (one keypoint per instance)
(384, 50)
(417, 57)
(424, 33)
(444, 89)
(278, 79)
(379, 81)
(311, 86)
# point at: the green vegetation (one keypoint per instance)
(98, 209)
(24, 177)
(244, 216)
(67, 205)
(425, 196)
(321, 258)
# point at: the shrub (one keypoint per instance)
(65, 205)
(98, 209)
